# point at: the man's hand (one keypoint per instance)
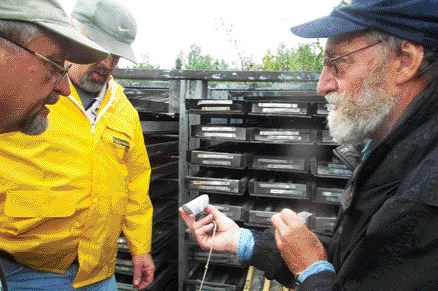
(299, 247)
(227, 233)
(144, 269)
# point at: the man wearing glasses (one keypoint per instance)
(35, 39)
(380, 78)
(83, 181)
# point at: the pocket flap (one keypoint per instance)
(36, 203)
(122, 127)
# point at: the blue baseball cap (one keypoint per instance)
(413, 20)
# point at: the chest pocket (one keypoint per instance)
(113, 151)
(118, 138)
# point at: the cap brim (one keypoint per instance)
(80, 50)
(328, 26)
(112, 45)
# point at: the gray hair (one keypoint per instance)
(19, 31)
(429, 66)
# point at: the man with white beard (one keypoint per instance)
(352, 119)
(380, 79)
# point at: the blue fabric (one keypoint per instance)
(245, 245)
(19, 277)
(414, 20)
(369, 146)
(316, 268)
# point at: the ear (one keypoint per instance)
(408, 61)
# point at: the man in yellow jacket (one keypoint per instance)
(67, 194)
(35, 39)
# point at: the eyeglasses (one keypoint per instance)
(62, 70)
(335, 61)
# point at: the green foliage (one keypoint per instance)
(247, 64)
(145, 64)
(306, 57)
(195, 60)
(179, 61)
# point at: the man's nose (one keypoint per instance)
(62, 87)
(327, 82)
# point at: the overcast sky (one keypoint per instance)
(221, 28)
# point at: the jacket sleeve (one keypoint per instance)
(137, 225)
(322, 281)
(267, 258)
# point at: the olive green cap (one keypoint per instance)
(50, 15)
(108, 23)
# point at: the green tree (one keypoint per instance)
(306, 57)
(145, 64)
(196, 60)
(179, 61)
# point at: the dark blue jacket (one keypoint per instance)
(386, 236)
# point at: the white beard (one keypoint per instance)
(357, 118)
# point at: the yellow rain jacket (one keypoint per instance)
(67, 194)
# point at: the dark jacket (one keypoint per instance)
(386, 237)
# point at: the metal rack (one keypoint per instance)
(255, 148)
(256, 142)
(160, 123)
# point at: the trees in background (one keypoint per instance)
(145, 64)
(196, 60)
(305, 57)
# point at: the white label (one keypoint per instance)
(277, 185)
(267, 132)
(278, 191)
(225, 183)
(274, 161)
(221, 163)
(213, 102)
(284, 105)
(330, 194)
(284, 137)
(337, 166)
(214, 156)
(217, 188)
(327, 139)
(333, 171)
(341, 172)
(215, 128)
(209, 108)
(274, 166)
(219, 134)
(287, 110)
